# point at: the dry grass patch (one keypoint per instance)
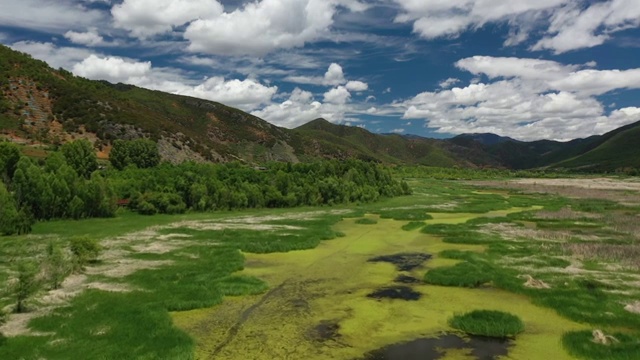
(625, 255)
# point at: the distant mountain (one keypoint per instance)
(484, 138)
(40, 105)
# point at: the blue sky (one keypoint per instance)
(529, 69)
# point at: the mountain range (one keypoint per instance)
(41, 106)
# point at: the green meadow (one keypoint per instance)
(550, 270)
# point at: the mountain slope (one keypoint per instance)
(40, 105)
(616, 150)
(53, 106)
(391, 148)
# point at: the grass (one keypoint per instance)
(581, 345)
(405, 214)
(488, 323)
(464, 274)
(413, 225)
(366, 221)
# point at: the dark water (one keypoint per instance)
(403, 261)
(483, 348)
(395, 292)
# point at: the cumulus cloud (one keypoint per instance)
(566, 24)
(144, 18)
(357, 86)
(113, 69)
(397, 131)
(338, 95)
(88, 38)
(527, 99)
(263, 26)
(64, 57)
(334, 76)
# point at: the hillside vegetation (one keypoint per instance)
(41, 106)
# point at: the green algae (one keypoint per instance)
(329, 284)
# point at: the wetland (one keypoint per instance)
(368, 281)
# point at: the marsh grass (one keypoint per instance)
(464, 274)
(490, 323)
(137, 325)
(413, 225)
(405, 214)
(580, 344)
(366, 221)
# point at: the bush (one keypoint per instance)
(84, 250)
(146, 208)
(488, 323)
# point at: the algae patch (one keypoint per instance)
(318, 307)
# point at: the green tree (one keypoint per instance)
(81, 156)
(9, 157)
(56, 266)
(9, 215)
(84, 250)
(25, 285)
(142, 153)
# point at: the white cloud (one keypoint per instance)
(397, 131)
(334, 75)
(90, 38)
(529, 99)
(575, 27)
(338, 95)
(357, 86)
(263, 26)
(145, 18)
(113, 69)
(567, 24)
(54, 16)
(445, 84)
(64, 57)
(449, 18)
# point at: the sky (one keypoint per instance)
(528, 69)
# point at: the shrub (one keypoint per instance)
(84, 250)
(488, 323)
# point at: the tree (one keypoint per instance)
(81, 156)
(8, 212)
(9, 157)
(25, 285)
(142, 153)
(85, 250)
(56, 266)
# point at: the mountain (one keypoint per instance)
(43, 106)
(484, 138)
(328, 138)
(40, 105)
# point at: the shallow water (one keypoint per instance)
(317, 306)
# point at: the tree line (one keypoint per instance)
(70, 184)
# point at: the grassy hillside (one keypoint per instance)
(391, 148)
(616, 150)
